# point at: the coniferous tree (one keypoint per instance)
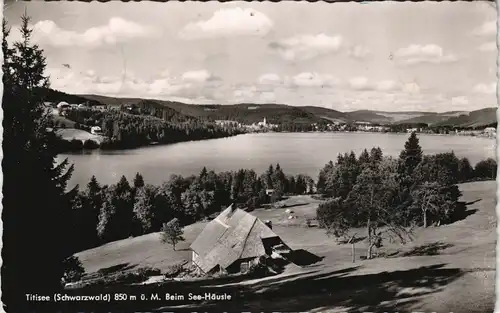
(138, 181)
(36, 205)
(411, 156)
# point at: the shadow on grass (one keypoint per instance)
(461, 211)
(354, 240)
(293, 205)
(115, 269)
(177, 249)
(303, 292)
(472, 202)
(383, 292)
(429, 249)
(303, 258)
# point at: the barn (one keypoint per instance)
(233, 241)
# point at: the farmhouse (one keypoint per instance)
(63, 105)
(490, 130)
(233, 241)
(95, 130)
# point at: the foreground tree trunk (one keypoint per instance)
(353, 248)
(369, 251)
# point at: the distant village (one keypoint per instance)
(265, 126)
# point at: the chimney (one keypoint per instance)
(232, 209)
(269, 224)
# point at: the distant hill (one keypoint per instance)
(52, 95)
(473, 119)
(253, 113)
(432, 118)
(328, 114)
(370, 116)
(281, 113)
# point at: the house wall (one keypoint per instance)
(194, 257)
(236, 267)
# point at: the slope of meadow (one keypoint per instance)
(449, 268)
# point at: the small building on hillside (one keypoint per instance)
(490, 130)
(99, 107)
(96, 130)
(233, 241)
(63, 105)
(269, 192)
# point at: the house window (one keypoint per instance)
(244, 266)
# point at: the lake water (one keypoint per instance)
(297, 153)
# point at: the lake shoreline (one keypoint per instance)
(296, 152)
(155, 144)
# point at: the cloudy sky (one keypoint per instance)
(347, 56)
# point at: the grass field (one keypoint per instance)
(446, 269)
(72, 133)
(61, 120)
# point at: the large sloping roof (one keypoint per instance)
(234, 234)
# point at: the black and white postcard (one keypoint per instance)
(249, 156)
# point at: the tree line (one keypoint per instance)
(390, 196)
(124, 130)
(103, 213)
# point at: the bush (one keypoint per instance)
(486, 169)
(73, 270)
(148, 271)
(276, 196)
(331, 216)
(258, 269)
(252, 203)
(174, 270)
(90, 144)
(76, 144)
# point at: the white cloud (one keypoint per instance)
(267, 96)
(359, 83)
(358, 52)
(305, 47)
(308, 79)
(191, 85)
(198, 76)
(487, 29)
(166, 87)
(486, 88)
(231, 22)
(244, 93)
(363, 84)
(489, 46)
(117, 30)
(459, 101)
(388, 85)
(269, 79)
(411, 88)
(165, 73)
(431, 53)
